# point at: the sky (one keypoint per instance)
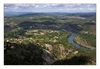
(50, 7)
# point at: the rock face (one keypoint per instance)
(54, 53)
(62, 51)
(48, 46)
(48, 57)
(75, 52)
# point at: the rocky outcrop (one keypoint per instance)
(48, 57)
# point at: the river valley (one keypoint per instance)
(71, 40)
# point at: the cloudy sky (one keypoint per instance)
(50, 7)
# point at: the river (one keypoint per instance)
(71, 40)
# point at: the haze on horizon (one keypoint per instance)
(70, 8)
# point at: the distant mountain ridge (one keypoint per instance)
(14, 13)
(29, 13)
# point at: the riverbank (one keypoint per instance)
(83, 42)
(72, 41)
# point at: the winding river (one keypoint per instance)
(71, 40)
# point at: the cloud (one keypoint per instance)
(37, 6)
(61, 5)
(51, 7)
(91, 5)
(81, 9)
(19, 7)
(10, 6)
(92, 9)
